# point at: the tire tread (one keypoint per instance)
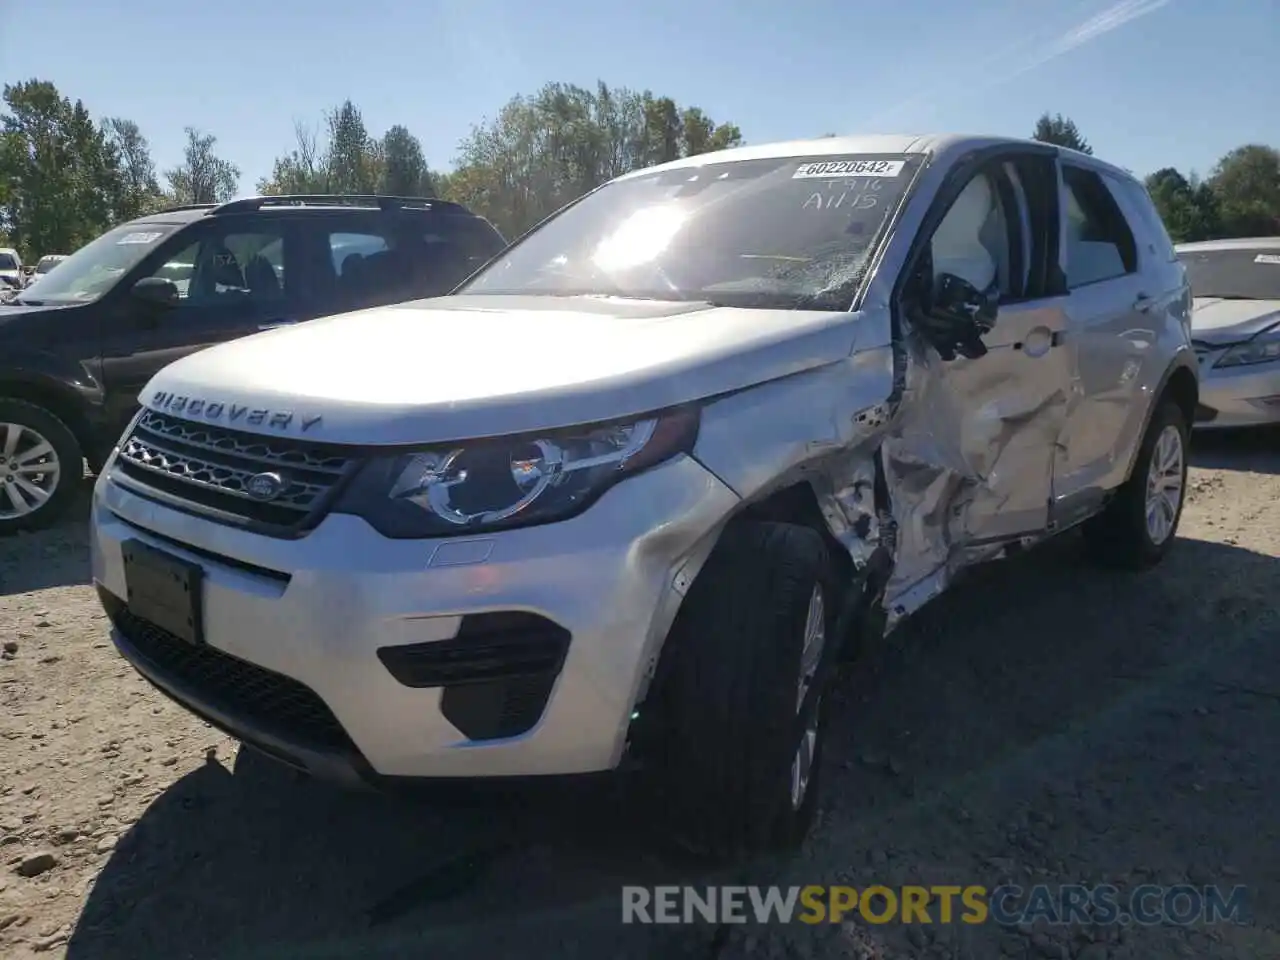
(730, 718)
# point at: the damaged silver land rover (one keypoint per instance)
(626, 496)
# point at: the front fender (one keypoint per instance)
(66, 389)
(1184, 358)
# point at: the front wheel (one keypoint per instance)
(1140, 524)
(742, 706)
(41, 466)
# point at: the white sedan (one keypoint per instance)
(1235, 327)
(48, 262)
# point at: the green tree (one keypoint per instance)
(59, 174)
(1246, 183)
(404, 169)
(346, 159)
(138, 189)
(663, 131)
(544, 150)
(203, 176)
(700, 134)
(1187, 206)
(302, 170)
(1061, 131)
(354, 158)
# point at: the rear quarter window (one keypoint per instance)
(1152, 235)
(1100, 240)
(476, 238)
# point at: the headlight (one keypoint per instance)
(1258, 350)
(511, 481)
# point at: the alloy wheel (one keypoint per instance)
(1165, 484)
(29, 471)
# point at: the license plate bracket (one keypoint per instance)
(164, 590)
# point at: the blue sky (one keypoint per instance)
(1151, 83)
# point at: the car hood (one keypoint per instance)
(1215, 321)
(461, 367)
(12, 315)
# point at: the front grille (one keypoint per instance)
(208, 468)
(263, 698)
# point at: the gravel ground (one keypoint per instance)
(1048, 723)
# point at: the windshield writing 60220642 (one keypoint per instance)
(845, 195)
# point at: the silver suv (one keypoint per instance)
(624, 498)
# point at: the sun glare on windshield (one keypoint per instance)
(642, 236)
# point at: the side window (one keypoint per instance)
(976, 238)
(226, 268)
(1099, 243)
(348, 249)
(178, 269)
(1153, 234)
(361, 262)
(477, 238)
(377, 259)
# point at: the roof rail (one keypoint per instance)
(381, 201)
(188, 206)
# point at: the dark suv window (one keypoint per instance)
(409, 257)
(1100, 245)
(227, 264)
(354, 247)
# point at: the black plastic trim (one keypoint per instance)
(320, 760)
(488, 647)
(497, 674)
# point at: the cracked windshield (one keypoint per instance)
(574, 480)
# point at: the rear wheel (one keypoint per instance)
(1140, 524)
(41, 465)
(742, 705)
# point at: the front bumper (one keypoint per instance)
(1234, 397)
(356, 657)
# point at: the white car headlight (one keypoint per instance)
(1260, 349)
(510, 481)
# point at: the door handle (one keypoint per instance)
(271, 325)
(1144, 303)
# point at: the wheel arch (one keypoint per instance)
(1181, 384)
(59, 400)
(795, 503)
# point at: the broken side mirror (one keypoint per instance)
(956, 316)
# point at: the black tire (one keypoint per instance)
(1119, 537)
(70, 461)
(729, 698)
